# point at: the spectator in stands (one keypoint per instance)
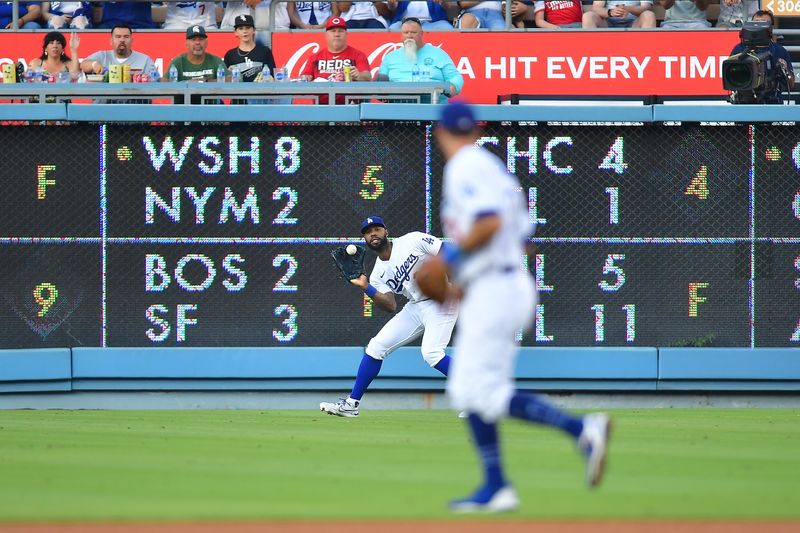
(29, 14)
(54, 60)
(364, 15)
(399, 65)
(196, 64)
(132, 14)
(259, 10)
(486, 15)
(784, 60)
(519, 9)
(181, 15)
(250, 57)
(328, 63)
(558, 14)
(620, 14)
(432, 14)
(732, 13)
(60, 15)
(311, 15)
(685, 14)
(121, 53)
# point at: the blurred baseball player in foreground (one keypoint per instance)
(485, 214)
(394, 271)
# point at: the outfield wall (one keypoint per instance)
(768, 364)
(332, 369)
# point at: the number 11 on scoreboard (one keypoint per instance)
(600, 322)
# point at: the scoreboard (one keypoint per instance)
(220, 235)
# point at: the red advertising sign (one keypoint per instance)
(544, 63)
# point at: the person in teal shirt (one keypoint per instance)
(433, 63)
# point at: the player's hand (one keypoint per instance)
(354, 74)
(618, 11)
(361, 282)
(337, 76)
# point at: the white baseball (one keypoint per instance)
(351, 249)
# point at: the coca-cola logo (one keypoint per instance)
(297, 61)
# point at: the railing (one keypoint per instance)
(416, 92)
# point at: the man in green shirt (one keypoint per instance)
(196, 64)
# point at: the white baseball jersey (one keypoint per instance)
(421, 315)
(181, 15)
(397, 273)
(476, 183)
(499, 298)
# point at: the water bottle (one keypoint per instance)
(265, 76)
(236, 74)
(415, 73)
(425, 73)
(220, 74)
(154, 75)
(280, 74)
(173, 73)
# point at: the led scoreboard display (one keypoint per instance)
(220, 235)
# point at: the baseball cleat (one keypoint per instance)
(501, 500)
(594, 444)
(344, 407)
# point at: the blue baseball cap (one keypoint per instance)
(371, 221)
(457, 117)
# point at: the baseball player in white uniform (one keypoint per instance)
(181, 15)
(393, 274)
(485, 213)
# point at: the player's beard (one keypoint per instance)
(410, 50)
(380, 246)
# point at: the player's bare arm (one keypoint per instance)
(384, 300)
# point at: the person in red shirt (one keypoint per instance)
(328, 64)
(558, 14)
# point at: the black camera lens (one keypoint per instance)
(739, 76)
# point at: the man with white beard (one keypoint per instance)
(417, 59)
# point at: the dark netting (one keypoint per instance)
(219, 235)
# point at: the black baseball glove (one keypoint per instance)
(351, 266)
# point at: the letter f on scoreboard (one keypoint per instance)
(695, 299)
(41, 180)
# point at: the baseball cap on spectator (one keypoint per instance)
(244, 20)
(371, 221)
(336, 22)
(457, 117)
(195, 31)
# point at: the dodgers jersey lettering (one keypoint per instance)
(476, 183)
(397, 274)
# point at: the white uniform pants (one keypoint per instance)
(495, 307)
(427, 318)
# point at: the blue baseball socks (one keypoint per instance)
(488, 446)
(443, 366)
(534, 409)
(367, 371)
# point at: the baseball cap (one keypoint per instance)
(244, 20)
(371, 221)
(457, 117)
(195, 31)
(336, 22)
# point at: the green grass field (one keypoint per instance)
(136, 465)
